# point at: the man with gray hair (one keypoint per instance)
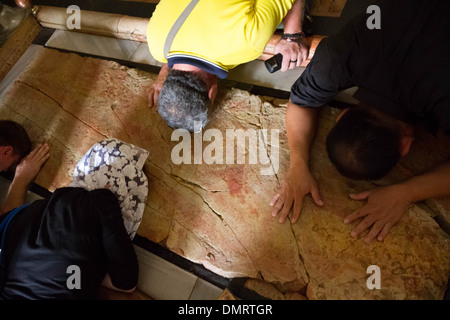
(200, 41)
(185, 99)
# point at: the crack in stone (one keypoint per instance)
(205, 244)
(159, 131)
(266, 144)
(60, 105)
(44, 130)
(189, 182)
(346, 248)
(172, 218)
(191, 186)
(299, 252)
(120, 120)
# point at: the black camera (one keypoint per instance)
(274, 64)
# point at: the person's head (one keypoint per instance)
(15, 144)
(186, 97)
(367, 144)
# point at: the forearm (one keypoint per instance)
(107, 283)
(16, 195)
(432, 184)
(298, 181)
(301, 124)
(294, 18)
(164, 71)
(162, 75)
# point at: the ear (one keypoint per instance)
(405, 144)
(212, 92)
(6, 150)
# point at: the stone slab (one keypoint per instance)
(218, 214)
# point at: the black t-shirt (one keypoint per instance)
(402, 68)
(74, 227)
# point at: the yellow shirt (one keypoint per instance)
(225, 33)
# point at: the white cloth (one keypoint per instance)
(116, 165)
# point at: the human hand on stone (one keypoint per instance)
(294, 53)
(384, 208)
(29, 167)
(296, 184)
(153, 92)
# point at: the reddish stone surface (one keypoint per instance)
(218, 215)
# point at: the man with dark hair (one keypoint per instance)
(14, 136)
(402, 71)
(365, 144)
(199, 41)
(15, 146)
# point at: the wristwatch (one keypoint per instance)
(289, 37)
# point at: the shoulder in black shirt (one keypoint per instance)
(402, 69)
(74, 227)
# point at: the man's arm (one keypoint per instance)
(294, 18)
(386, 205)
(25, 173)
(301, 128)
(325, 76)
(295, 50)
